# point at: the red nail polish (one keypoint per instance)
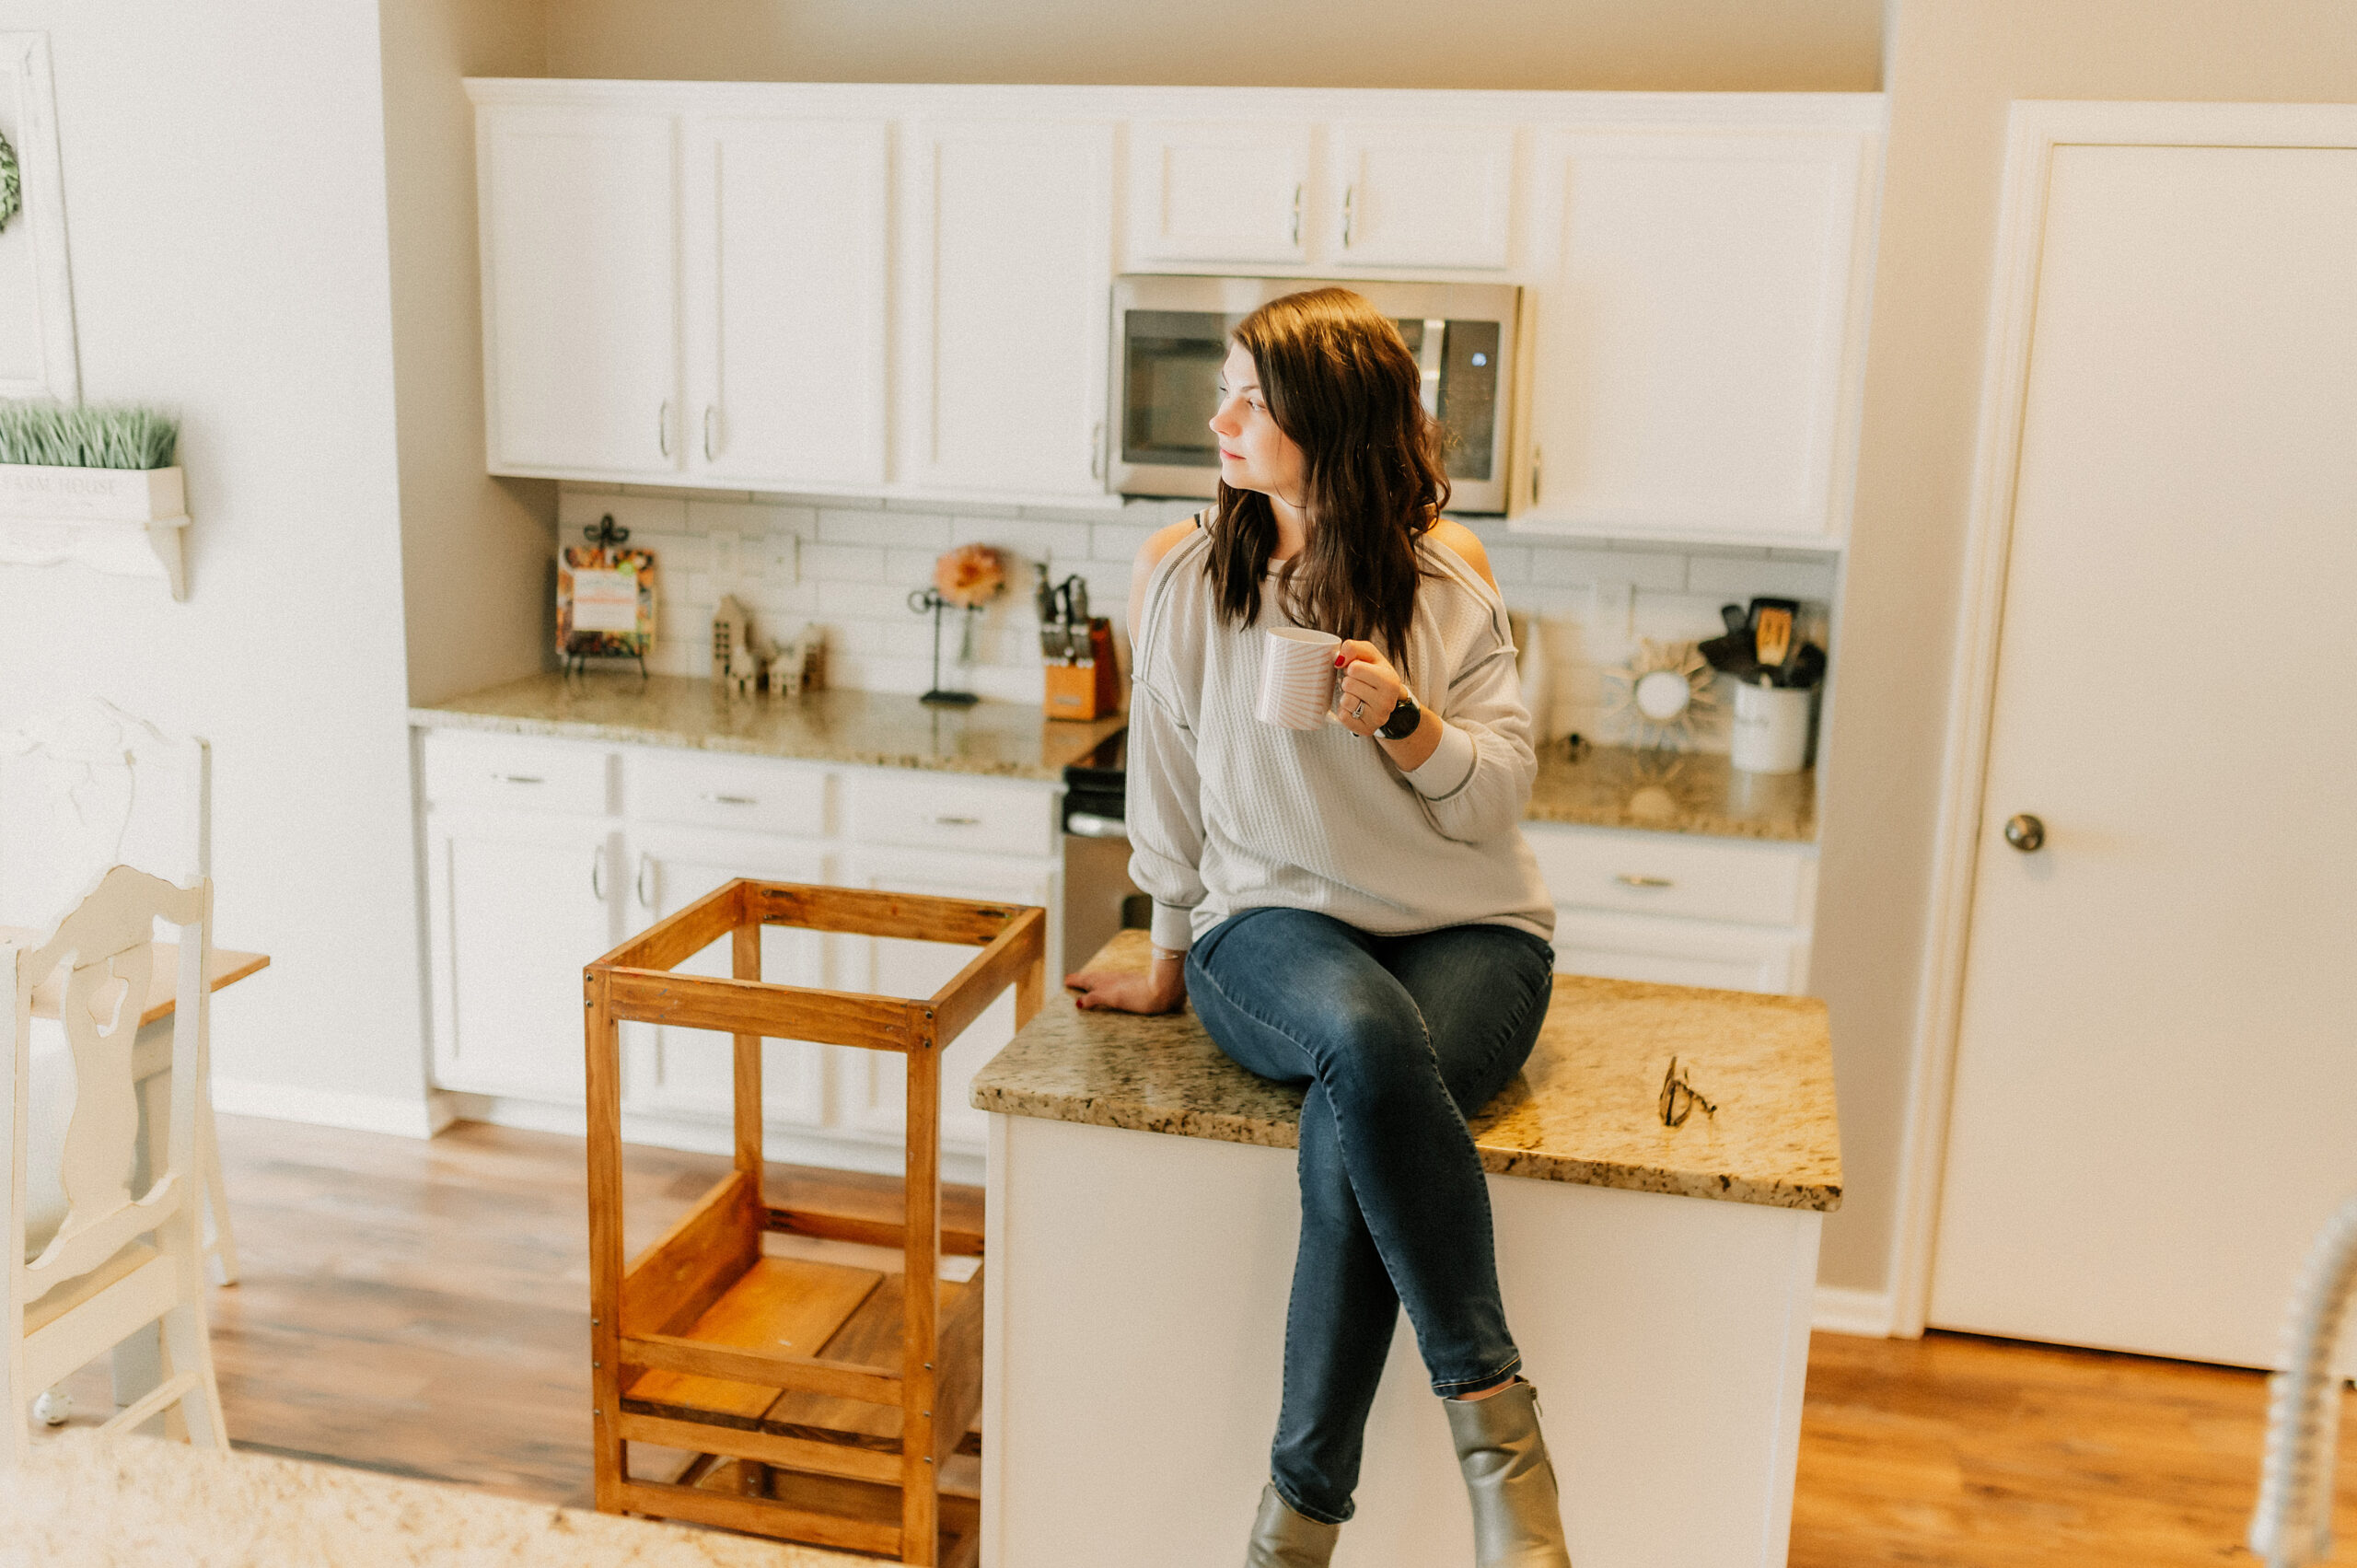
(1339, 660)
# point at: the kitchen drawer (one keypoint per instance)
(1673, 874)
(700, 789)
(1665, 951)
(471, 768)
(946, 811)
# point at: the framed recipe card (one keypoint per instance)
(605, 602)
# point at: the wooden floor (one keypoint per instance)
(419, 1307)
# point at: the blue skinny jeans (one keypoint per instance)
(1397, 1039)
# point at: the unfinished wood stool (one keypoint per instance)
(776, 1373)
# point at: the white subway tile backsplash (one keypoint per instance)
(1651, 569)
(1118, 542)
(843, 563)
(576, 510)
(1061, 544)
(859, 557)
(912, 530)
(1742, 579)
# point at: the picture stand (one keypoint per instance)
(921, 600)
(818, 1402)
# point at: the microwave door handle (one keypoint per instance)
(1428, 365)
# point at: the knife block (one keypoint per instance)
(1092, 687)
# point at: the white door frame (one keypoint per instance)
(2033, 128)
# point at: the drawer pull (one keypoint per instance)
(521, 778)
(733, 799)
(1631, 879)
(959, 821)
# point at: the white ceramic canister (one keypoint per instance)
(1771, 732)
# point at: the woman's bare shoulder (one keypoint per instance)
(1159, 543)
(1466, 545)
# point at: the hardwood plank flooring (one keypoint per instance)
(421, 1308)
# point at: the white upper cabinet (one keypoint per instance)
(1420, 195)
(786, 295)
(1006, 276)
(1224, 190)
(581, 318)
(1699, 312)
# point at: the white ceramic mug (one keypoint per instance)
(1771, 734)
(1297, 677)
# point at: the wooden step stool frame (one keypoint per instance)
(637, 1308)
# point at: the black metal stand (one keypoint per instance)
(921, 600)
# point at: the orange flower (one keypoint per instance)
(969, 574)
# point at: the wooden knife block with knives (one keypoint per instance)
(1084, 680)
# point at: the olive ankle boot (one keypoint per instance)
(1518, 1522)
(1284, 1539)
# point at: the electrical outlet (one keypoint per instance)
(1612, 611)
(778, 558)
(727, 560)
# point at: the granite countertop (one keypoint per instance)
(1671, 792)
(1583, 1110)
(873, 729)
(84, 1498)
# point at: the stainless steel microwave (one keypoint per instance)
(1170, 338)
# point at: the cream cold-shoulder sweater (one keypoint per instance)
(1226, 813)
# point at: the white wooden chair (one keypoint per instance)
(89, 1261)
(84, 787)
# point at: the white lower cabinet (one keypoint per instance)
(519, 902)
(1679, 908)
(874, 1082)
(673, 1070)
(521, 899)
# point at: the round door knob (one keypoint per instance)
(2025, 833)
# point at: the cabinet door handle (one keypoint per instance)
(1637, 879)
(1535, 455)
(663, 427)
(734, 799)
(638, 884)
(1349, 193)
(708, 411)
(1097, 450)
(1296, 214)
(597, 873)
(521, 778)
(959, 821)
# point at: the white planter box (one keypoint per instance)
(125, 521)
(114, 495)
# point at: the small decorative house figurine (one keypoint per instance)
(790, 663)
(735, 663)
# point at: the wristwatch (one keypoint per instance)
(1402, 721)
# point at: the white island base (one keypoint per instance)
(1136, 1327)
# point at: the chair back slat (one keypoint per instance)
(104, 949)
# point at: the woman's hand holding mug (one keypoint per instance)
(1370, 688)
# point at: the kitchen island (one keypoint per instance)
(1142, 1222)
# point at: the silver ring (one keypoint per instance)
(1362, 708)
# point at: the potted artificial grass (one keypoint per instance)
(92, 484)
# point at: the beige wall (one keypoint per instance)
(1690, 46)
(1953, 66)
(476, 552)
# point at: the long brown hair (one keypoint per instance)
(1342, 386)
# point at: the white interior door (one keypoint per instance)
(581, 302)
(787, 297)
(2157, 1054)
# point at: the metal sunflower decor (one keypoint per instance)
(12, 198)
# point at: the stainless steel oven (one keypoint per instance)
(1170, 338)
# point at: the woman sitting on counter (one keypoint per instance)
(1350, 906)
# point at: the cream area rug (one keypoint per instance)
(93, 1502)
